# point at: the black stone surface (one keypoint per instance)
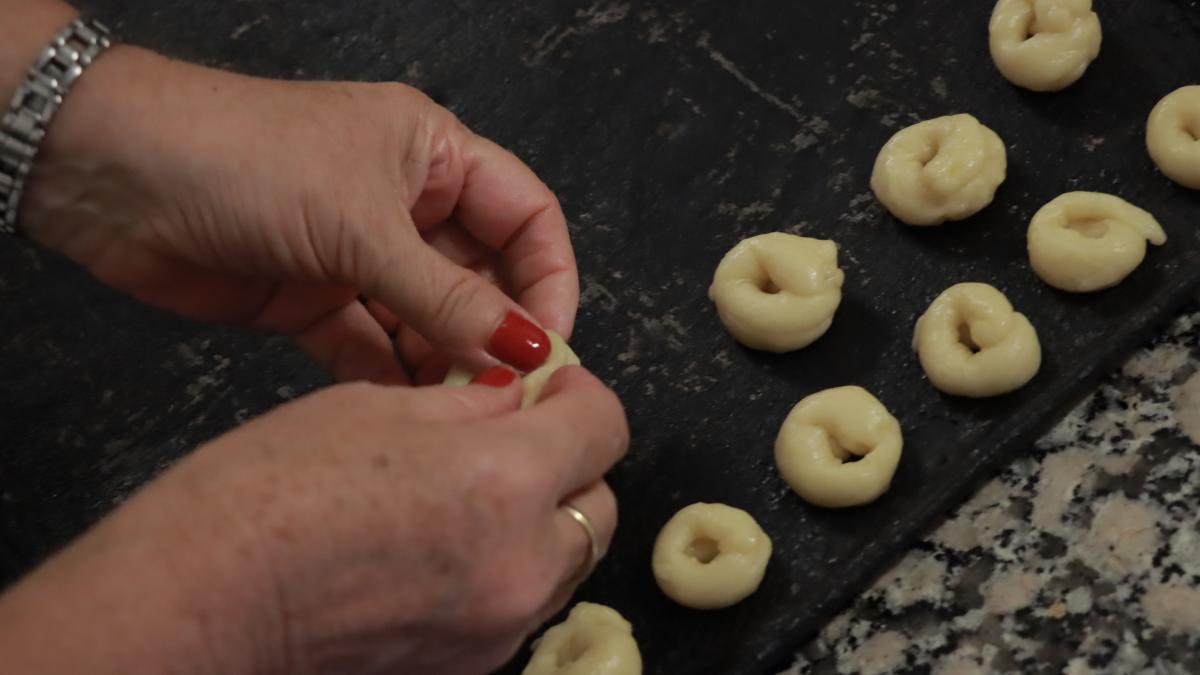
(670, 130)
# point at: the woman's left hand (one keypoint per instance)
(278, 204)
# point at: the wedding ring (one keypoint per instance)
(594, 552)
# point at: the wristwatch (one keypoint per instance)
(37, 99)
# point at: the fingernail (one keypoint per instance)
(496, 376)
(520, 343)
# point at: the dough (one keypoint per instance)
(1086, 241)
(594, 640)
(778, 291)
(710, 556)
(560, 355)
(972, 343)
(826, 429)
(1173, 136)
(1043, 45)
(947, 168)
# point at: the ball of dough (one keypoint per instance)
(1173, 136)
(972, 343)
(826, 429)
(778, 291)
(710, 556)
(1043, 45)
(947, 168)
(534, 381)
(1086, 241)
(594, 640)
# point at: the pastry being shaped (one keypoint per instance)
(534, 381)
(778, 291)
(710, 556)
(972, 343)
(947, 168)
(1173, 136)
(1086, 241)
(825, 430)
(1043, 45)
(594, 640)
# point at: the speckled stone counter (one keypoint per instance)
(1081, 557)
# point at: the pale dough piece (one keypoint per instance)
(1043, 45)
(972, 343)
(1086, 241)
(710, 556)
(1173, 136)
(560, 355)
(778, 291)
(827, 428)
(594, 640)
(946, 168)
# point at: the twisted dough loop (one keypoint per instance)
(777, 291)
(1043, 45)
(1086, 241)
(972, 343)
(594, 640)
(534, 381)
(947, 168)
(824, 430)
(1173, 136)
(710, 556)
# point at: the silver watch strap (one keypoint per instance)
(37, 99)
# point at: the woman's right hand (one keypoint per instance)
(362, 529)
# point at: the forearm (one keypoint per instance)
(26, 26)
(135, 596)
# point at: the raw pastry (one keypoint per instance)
(972, 343)
(1086, 241)
(778, 291)
(947, 168)
(594, 640)
(1173, 136)
(1043, 45)
(560, 355)
(710, 556)
(826, 429)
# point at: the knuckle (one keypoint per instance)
(460, 292)
(510, 484)
(396, 96)
(608, 406)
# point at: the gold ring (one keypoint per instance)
(594, 552)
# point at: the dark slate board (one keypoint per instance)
(670, 130)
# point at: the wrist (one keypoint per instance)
(84, 186)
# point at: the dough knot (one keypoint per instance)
(1043, 45)
(942, 169)
(1086, 241)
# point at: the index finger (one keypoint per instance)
(505, 206)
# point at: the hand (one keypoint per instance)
(361, 529)
(276, 204)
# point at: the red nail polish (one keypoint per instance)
(520, 343)
(496, 376)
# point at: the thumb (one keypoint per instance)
(458, 311)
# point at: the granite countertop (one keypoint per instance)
(1083, 556)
